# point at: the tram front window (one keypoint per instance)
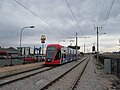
(50, 52)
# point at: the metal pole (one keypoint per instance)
(42, 50)
(11, 61)
(97, 44)
(84, 48)
(21, 37)
(76, 46)
(20, 42)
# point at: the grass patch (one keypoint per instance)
(99, 65)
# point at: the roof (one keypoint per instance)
(8, 51)
(3, 53)
(74, 47)
(56, 45)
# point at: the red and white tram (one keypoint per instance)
(57, 54)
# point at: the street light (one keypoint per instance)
(21, 35)
(61, 41)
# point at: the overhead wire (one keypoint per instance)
(105, 13)
(102, 9)
(99, 13)
(96, 12)
(108, 13)
(40, 18)
(74, 17)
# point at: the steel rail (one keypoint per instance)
(79, 76)
(53, 81)
(7, 81)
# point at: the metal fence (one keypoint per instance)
(115, 67)
(10, 62)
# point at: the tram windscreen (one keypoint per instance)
(50, 51)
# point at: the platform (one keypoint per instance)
(9, 70)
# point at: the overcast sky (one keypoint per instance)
(53, 19)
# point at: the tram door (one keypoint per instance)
(63, 56)
(58, 55)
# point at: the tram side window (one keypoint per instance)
(58, 55)
(64, 55)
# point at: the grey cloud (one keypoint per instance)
(13, 18)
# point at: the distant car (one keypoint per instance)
(40, 57)
(30, 59)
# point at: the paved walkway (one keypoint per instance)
(95, 79)
(89, 79)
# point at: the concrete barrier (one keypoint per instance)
(107, 66)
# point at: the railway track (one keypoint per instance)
(21, 75)
(24, 74)
(61, 80)
(79, 76)
(40, 79)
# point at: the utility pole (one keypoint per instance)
(97, 44)
(98, 41)
(77, 43)
(76, 46)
